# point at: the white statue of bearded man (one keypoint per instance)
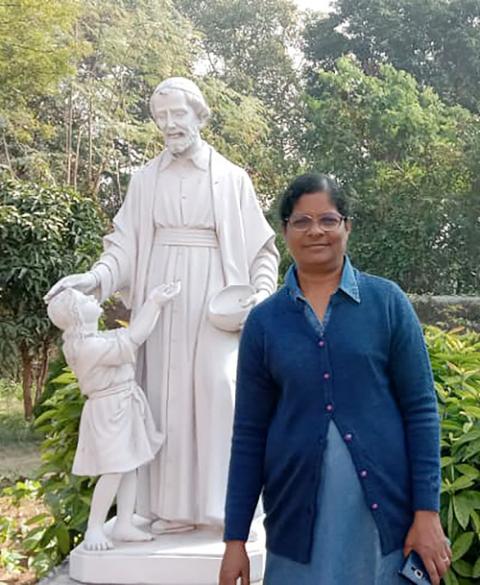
(189, 215)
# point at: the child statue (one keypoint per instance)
(117, 432)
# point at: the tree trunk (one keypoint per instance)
(42, 372)
(68, 137)
(26, 382)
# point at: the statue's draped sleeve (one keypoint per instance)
(117, 263)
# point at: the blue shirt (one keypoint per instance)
(368, 369)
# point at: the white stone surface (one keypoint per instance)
(178, 559)
(190, 215)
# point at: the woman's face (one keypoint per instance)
(316, 247)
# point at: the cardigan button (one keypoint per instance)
(363, 473)
(329, 407)
(326, 376)
(374, 506)
(348, 437)
(321, 343)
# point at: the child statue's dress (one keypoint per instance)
(117, 432)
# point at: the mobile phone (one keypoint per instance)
(414, 570)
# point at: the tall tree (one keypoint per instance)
(254, 48)
(408, 158)
(96, 123)
(37, 45)
(437, 41)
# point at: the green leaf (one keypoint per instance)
(476, 569)
(449, 578)
(461, 483)
(468, 470)
(38, 518)
(463, 568)
(447, 461)
(462, 507)
(63, 538)
(461, 545)
(476, 522)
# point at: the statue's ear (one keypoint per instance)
(204, 117)
(203, 122)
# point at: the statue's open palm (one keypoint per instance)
(85, 283)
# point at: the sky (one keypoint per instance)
(313, 4)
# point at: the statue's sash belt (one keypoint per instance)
(206, 238)
(128, 391)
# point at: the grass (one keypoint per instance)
(19, 443)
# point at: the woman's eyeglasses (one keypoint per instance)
(328, 222)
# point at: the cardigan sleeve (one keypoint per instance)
(256, 396)
(414, 388)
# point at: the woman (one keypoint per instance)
(335, 419)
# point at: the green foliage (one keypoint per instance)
(14, 530)
(45, 233)
(92, 125)
(35, 46)
(66, 496)
(407, 157)
(246, 43)
(438, 42)
(249, 47)
(455, 360)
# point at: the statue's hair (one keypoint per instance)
(192, 93)
(64, 313)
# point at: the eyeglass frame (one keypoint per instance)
(315, 220)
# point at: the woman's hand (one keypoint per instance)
(426, 537)
(235, 564)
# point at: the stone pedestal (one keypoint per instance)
(192, 558)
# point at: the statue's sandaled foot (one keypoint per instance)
(129, 533)
(95, 539)
(161, 526)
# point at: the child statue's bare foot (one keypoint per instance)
(95, 539)
(129, 533)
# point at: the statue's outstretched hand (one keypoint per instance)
(165, 292)
(85, 283)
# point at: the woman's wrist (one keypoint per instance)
(235, 543)
(426, 513)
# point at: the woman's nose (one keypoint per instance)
(315, 229)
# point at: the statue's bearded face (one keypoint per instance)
(177, 121)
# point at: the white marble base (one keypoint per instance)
(192, 558)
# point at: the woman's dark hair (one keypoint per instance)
(313, 183)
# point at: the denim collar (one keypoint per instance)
(348, 282)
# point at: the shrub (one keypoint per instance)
(67, 497)
(46, 232)
(455, 360)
